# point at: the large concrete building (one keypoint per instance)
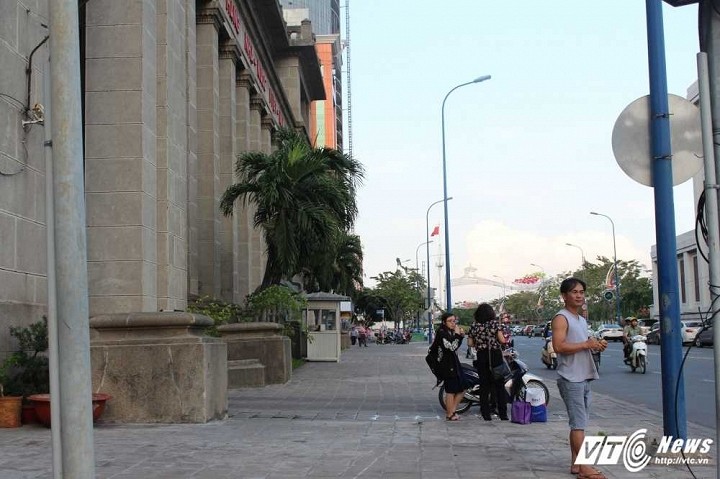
(326, 116)
(173, 91)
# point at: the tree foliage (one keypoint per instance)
(635, 292)
(304, 201)
(400, 295)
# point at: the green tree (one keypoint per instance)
(304, 201)
(337, 269)
(635, 288)
(400, 295)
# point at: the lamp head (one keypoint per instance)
(593, 213)
(482, 78)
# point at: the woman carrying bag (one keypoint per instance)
(447, 341)
(486, 337)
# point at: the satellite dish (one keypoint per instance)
(631, 140)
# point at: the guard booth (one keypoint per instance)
(322, 319)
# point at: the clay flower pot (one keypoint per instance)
(10, 408)
(42, 406)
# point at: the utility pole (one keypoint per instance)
(73, 331)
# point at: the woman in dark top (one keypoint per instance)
(486, 337)
(447, 341)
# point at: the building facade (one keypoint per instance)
(326, 116)
(173, 91)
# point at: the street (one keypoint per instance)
(618, 381)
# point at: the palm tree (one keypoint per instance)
(304, 199)
(338, 269)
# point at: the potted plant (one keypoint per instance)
(10, 406)
(27, 371)
(27, 374)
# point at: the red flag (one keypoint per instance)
(435, 231)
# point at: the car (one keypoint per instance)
(646, 324)
(705, 338)
(653, 336)
(689, 330)
(610, 331)
(537, 330)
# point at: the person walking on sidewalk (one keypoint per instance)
(487, 338)
(576, 368)
(448, 339)
(353, 335)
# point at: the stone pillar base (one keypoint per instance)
(262, 341)
(158, 368)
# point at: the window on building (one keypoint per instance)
(696, 277)
(681, 266)
(320, 319)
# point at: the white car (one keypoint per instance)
(610, 332)
(689, 330)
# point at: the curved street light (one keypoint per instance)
(617, 280)
(582, 253)
(503, 285)
(448, 294)
(427, 249)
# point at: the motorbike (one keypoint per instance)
(548, 355)
(516, 386)
(637, 359)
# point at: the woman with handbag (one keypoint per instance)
(486, 337)
(448, 339)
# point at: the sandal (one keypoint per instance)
(595, 474)
(454, 417)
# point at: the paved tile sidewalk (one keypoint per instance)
(373, 415)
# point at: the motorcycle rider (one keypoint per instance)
(630, 330)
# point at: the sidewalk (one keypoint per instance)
(373, 415)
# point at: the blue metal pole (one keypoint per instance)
(673, 387)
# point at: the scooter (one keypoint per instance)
(548, 355)
(516, 386)
(637, 359)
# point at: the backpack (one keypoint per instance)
(432, 361)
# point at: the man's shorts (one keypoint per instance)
(577, 402)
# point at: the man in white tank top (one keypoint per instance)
(576, 367)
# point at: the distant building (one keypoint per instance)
(326, 116)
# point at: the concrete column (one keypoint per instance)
(242, 218)
(208, 155)
(257, 108)
(266, 132)
(172, 85)
(121, 155)
(191, 148)
(228, 152)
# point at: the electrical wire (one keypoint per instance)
(705, 323)
(700, 223)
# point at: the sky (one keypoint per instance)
(528, 152)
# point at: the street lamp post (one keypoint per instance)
(542, 283)
(582, 254)
(448, 293)
(503, 286)
(417, 270)
(617, 281)
(427, 252)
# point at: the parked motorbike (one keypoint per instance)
(517, 386)
(548, 355)
(637, 359)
